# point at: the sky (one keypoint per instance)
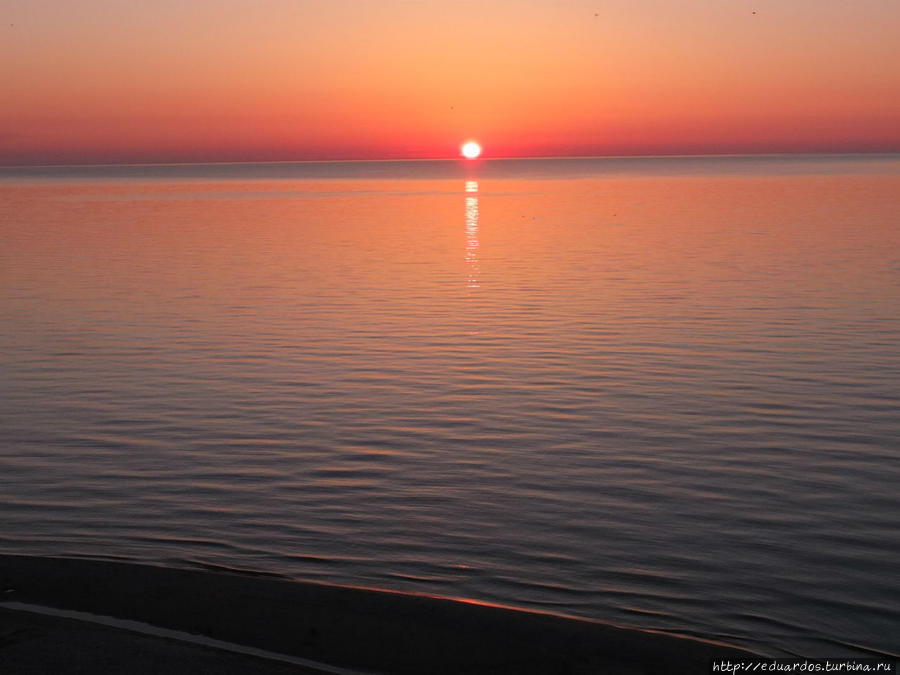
(107, 81)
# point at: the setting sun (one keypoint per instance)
(470, 150)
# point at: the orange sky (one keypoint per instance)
(233, 80)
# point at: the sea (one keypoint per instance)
(662, 393)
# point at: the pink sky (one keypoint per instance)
(234, 80)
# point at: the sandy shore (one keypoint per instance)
(359, 629)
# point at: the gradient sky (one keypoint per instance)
(229, 80)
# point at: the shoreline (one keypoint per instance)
(356, 628)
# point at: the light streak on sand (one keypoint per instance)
(180, 636)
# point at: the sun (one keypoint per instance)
(470, 150)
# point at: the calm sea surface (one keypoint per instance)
(663, 393)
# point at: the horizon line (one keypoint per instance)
(449, 159)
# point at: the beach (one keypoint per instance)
(360, 629)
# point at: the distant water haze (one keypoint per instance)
(660, 392)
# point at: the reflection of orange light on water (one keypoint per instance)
(472, 234)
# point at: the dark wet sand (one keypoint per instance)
(355, 628)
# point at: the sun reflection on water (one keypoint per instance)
(472, 234)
